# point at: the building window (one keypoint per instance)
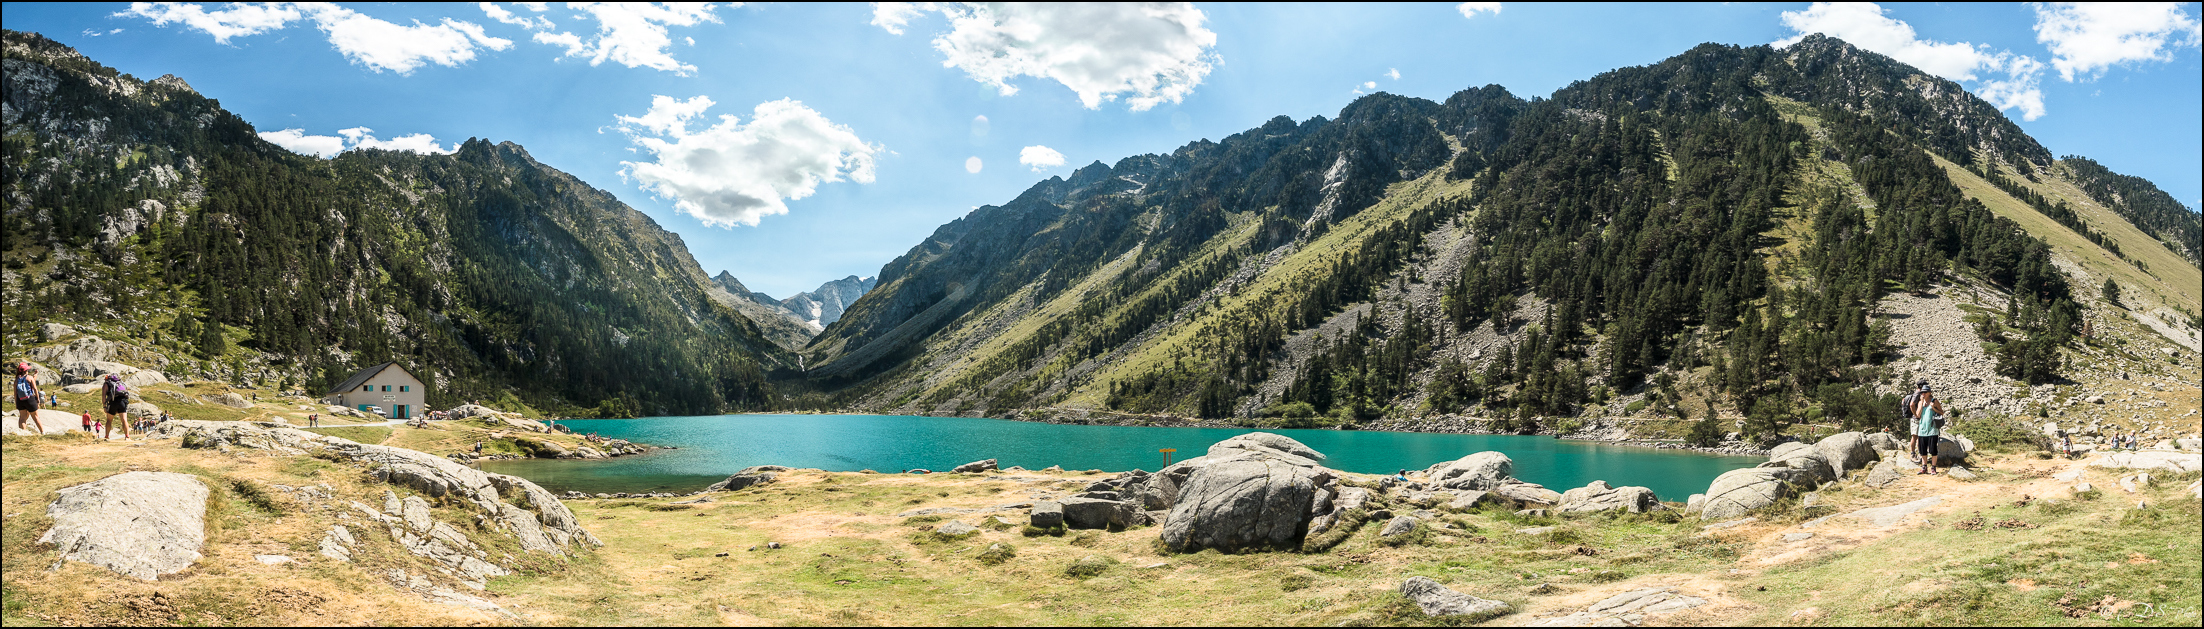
(368, 388)
(386, 388)
(403, 388)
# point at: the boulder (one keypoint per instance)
(1846, 451)
(465, 411)
(231, 400)
(1438, 600)
(1804, 459)
(976, 467)
(1597, 497)
(1481, 471)
(1695, 503)
(1783, 450)
(1885, 441)
(742, 480)
(2169, 462)
(1151, 491)
(1046, 514)
(1399, 525)
(144, 410)
(1738, 492)
(1466, 500)
(955, 528)
(140, 524)
(1272, 445)
(1093, 513)
(1242, 503)
(80, 389)
(1886, 473)
(1523, 493)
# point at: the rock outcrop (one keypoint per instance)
(976, 467)
(1098, 513)
(1738, 492)
(1597, 497)
(1481, 471)
(1243, 503)
(1847, 451)
(140, 524)
(514, 505)
(2170, 462)
(1438, 600)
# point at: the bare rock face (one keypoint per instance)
(743, 480)
(1399, 525)
(1242, 503)
(1738, 492)
(140, 524)
(1481, 471)
(90, 348)
(1597, 497)
(1047, 514)
(1847, 451)
(1438, 600)
(1885, 441)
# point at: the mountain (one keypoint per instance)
(1740, 226)
(145, 207)
(824, 306)
(792, 322)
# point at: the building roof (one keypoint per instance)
(357, 378)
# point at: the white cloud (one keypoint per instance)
(327, 146)
(1471, 9)
(893, 15)
(733, 173)
(502, 15)
(2087, 38)
(1148, 54)
(382, 45)
(633, 35)
(1369, 85)
(296, 139)
(1040, 157)
(238, 20)
(972, 164)
(1864, 25)
(1392, 73)
(374, 43)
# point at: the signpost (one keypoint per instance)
(1167, 455)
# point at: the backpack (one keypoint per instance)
(1905, 406)
(23, 389)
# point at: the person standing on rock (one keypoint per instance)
(27, 397)
(1928, 419)
(115, 399)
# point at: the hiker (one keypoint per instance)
(26, 399)
(115, 399)
(313, 420)
(1926, 428)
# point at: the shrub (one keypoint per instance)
(1088, 567)
(1295, 582)
(1634, 407)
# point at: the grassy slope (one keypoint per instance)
(1179, 339)
(2175, 283)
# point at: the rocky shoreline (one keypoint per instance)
(1450, 425)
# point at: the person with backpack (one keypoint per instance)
(115, 399)
(1928, 427)
(27, 397)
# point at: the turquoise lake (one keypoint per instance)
(713, 447)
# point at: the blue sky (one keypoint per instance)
(856, 132)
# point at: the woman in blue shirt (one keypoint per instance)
(1927, 419)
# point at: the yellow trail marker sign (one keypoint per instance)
(1167, 455)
